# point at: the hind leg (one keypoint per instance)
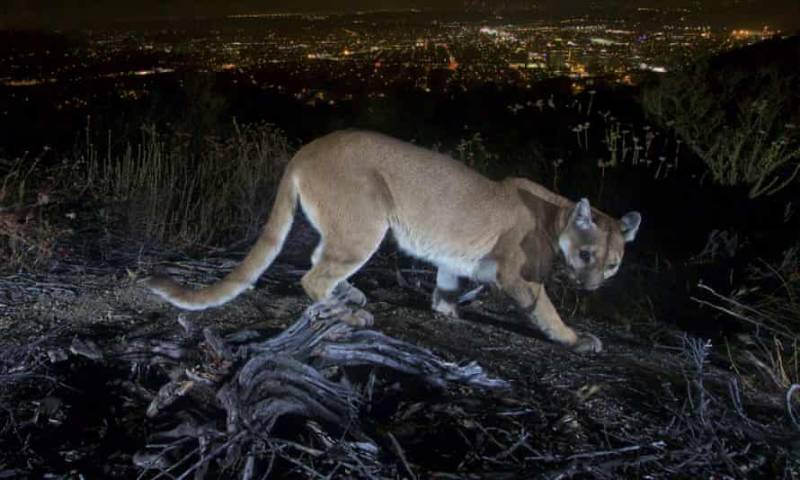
(339, 257)
(337, 305)
(344, 291)
(326, 284)
(350, 211)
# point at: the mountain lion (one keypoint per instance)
(355, 186)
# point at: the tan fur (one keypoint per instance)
(355, 186)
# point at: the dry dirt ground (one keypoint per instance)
(650, 405)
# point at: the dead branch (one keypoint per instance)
(249, 387)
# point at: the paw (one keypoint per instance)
(356, 297)
(444, 306)
(327, 308)
(445, 309)
(358, 318)
(587, 343)
(346, 293)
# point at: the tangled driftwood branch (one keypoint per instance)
(241, 388)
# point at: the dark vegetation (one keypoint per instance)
(701, 380)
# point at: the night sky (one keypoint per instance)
(16, 13)
(140, 8)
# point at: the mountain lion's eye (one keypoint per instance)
(585, 256)
(612, 266)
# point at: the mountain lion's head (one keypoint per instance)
(593, 245)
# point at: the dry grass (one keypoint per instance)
(166, 188)
(169, 191)
(27, 236)
(473, 152)
(769, 310)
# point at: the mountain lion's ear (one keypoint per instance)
(630, 225)
(582, 215)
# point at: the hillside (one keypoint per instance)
(697, 378)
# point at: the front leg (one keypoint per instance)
(445, 296)
(534, 303)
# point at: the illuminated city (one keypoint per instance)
(326, 58)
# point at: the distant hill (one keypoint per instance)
(729, 81)
(783, 54)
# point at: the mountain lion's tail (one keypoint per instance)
(246, 273)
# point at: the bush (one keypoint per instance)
(743, 125)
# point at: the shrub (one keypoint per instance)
(744, 126)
